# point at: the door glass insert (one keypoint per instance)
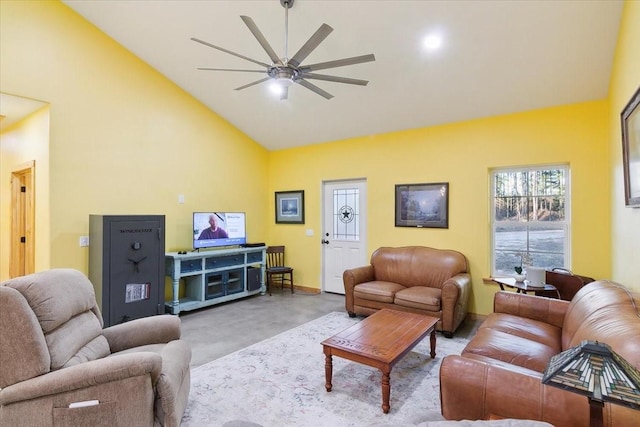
(346, 214)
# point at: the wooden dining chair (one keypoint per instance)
(276, 270)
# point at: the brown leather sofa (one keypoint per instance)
(499, 373)
(416, 279)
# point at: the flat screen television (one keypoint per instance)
(214, 229)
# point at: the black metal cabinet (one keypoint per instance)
(126, 265)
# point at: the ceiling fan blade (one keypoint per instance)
(229, 52)
(311, 44)
(231, 69)
(253, 83)
(314, 88)
(335, 79)
(338, 63)
(261, 39)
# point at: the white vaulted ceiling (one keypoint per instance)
(496, 57)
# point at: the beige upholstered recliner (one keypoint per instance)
(55, 355)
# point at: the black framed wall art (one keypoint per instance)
(422, 205)
(630, 118)
(290, 207)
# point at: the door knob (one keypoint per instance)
(325, 242)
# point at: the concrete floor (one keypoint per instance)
(221, 329)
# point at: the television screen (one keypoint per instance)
(211, 229)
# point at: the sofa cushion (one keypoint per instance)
(76, 341)
(417, 265)
(23, 349)
(72, 325)
(377, 291)
(608, 312)
(530, 329)
(421, 297)
(42, 291)
(510, 348)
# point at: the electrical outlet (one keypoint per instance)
(84, 241)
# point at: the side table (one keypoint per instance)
(522, 287)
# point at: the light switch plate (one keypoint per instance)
(84, 241)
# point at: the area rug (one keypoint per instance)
(281, 382)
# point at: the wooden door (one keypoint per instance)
(22, 248)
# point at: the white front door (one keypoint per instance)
(344, 230)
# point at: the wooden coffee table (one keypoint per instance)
(380, 341)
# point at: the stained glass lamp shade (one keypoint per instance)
(596, 371)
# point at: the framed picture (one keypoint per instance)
(290, 207)
(422, 205)
(630, 117)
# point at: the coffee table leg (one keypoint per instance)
(433, 343)
(386, 391)
(328, 368)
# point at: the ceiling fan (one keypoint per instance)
(285, 71)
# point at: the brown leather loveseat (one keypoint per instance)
(416, 279)
(499, 373)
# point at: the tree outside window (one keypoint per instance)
(530, 218)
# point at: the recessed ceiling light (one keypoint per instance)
(432, 41)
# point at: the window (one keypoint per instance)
(530, 220)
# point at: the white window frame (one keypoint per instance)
(566, 224)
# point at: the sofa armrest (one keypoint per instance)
(476, 387)
(455, 299)
(548, 310)
(353, 277)
(147, 330)
(481, 389)
(85, 375)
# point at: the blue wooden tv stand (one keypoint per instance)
(214, 276)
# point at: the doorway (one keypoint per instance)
(344, 231)
(22, 248)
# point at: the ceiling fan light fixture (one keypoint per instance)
(279, 85)
(275, 88)
(284, 82)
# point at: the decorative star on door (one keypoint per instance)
(346, 214)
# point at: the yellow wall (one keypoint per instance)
(123, 140)
(461, 154)
(625, 230)
(25, 141)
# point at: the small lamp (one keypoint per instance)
(594, 370)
